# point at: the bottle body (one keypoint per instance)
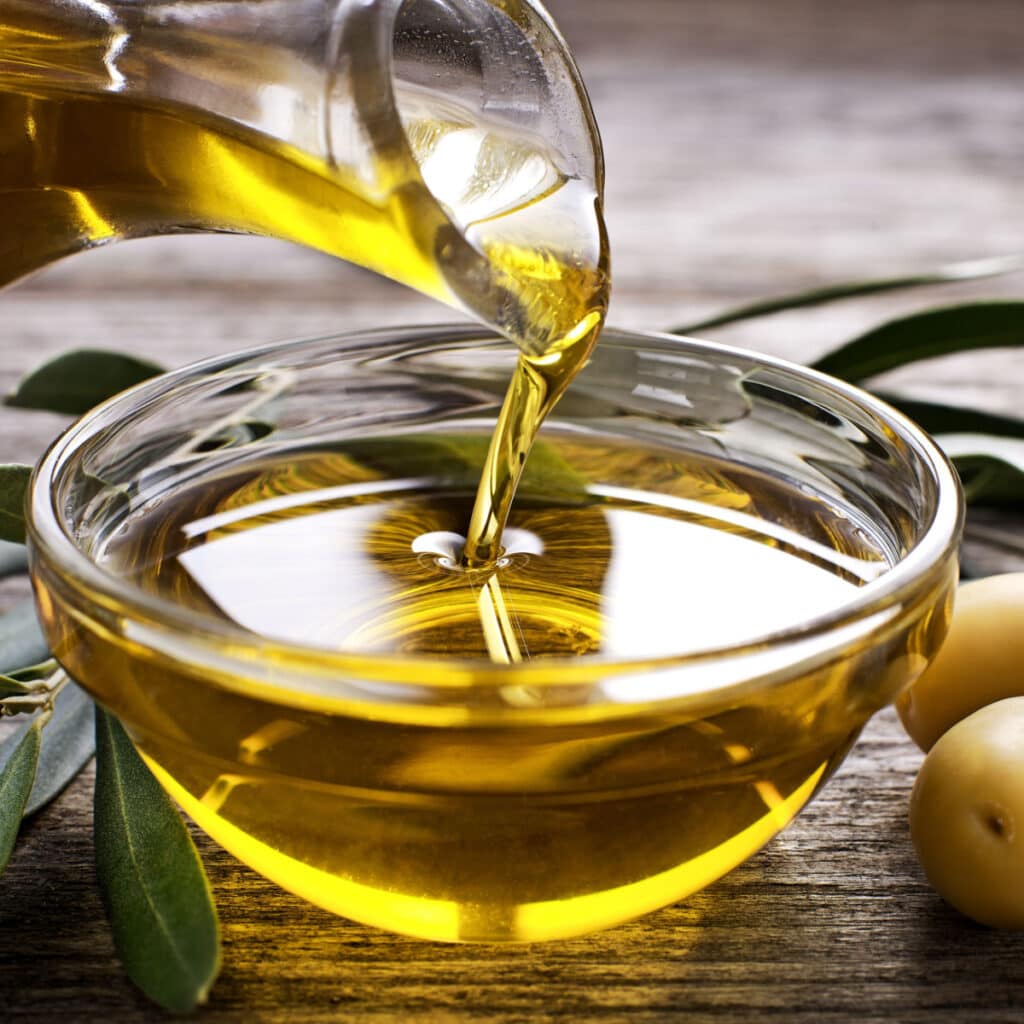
(391, 135)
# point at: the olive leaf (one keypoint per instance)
(156, 893)
(77, 380)
(12, 688)
(16, 780)
(39, 676)
(938, 418)
(21, 640)
(988, 480)
(550, 477)
(459, 458)
(22, 682)
(454, 458)
(991, 469)
(968, 270)
(936, 332)
(11, 740)
(13, 485)
(69, 741)
(13, 558)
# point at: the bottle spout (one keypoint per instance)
(497, 121)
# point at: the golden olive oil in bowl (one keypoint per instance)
(718, 566)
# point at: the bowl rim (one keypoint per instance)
(52, 545)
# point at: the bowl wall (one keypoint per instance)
(463, 800)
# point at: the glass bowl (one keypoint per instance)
(216, 553)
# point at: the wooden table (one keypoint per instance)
(753, 146)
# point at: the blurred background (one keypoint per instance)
(753, 147)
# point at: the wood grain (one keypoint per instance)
(753, 147)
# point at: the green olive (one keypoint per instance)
(967, 815)
(981, 661)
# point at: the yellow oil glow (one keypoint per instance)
(577, 915)
(416, 916)
(97, 227)
(448, 921)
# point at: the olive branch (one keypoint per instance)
(155, 891)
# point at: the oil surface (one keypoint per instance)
(330, 550)
(446, 822)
